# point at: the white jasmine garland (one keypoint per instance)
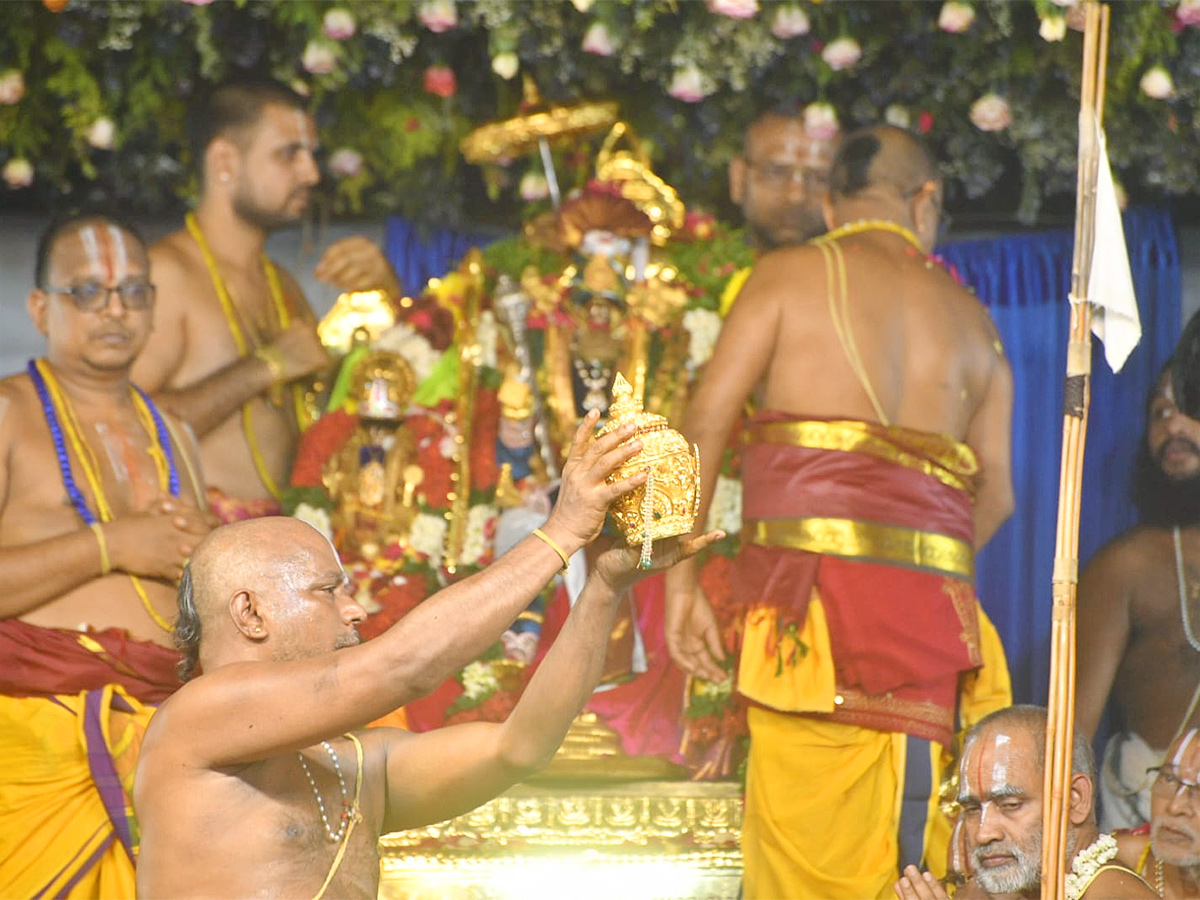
(725, 512)
(703, 326)
(478, 680)
(413, 346)
(316, 517)
(428, 536)
(1087, 863)
(475, 542)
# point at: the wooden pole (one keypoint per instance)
(1060, 725)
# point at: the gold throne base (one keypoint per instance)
(648, 840)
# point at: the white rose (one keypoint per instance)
(725, 512)
(12, 87)
(1157, 84)
(897, 115)
(1065, 3)
(316, 517)
(991, 113)
(338, 24)
(582, 5)
(478, 680)
(703, 326)
(300, 86)
(534, 186)
(735, 9)
(18, 173)
(428, 536)
(790, 22)
(345, 162)
(102, 134)
(956, 17)
(1053, 28)
(821, 121)
(320, 57)
(690, 85)
(475, 540)
(842, 53)
(438, 15)
(598, 40)
(506, 64)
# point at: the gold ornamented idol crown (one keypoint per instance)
(382, 385)
(666, 505)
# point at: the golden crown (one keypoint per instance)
(666, 505)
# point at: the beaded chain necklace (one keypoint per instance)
(61, 419)
(244, 348)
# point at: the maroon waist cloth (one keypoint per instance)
(41, 662)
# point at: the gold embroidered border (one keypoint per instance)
(952, 463)
(855, 703)
(866, 540)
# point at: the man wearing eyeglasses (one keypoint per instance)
(234, 336)
(1166, 851)
(876, 463)
(100, 505)
(1139, 619)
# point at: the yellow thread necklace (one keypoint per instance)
(283, 319)
(872, 225)
(91, 467)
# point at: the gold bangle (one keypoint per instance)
(553, 545)
(105, 564)
(271, 357)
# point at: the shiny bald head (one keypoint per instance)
(1175, 803)
(270, 588)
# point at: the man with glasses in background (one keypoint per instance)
(100, 505)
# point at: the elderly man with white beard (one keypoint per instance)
(1000, 792)
(1166, 852)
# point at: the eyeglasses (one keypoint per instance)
(778, 175)
(92, 296)
(1168, 784)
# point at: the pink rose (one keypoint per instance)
(320, 57)
(790, 22)
(1188, 12)
(12, 87)
(1157, 84)
(438, 15)
(925, 122)
(735, 9)
(102, 134)
(338, 24)
(1053, 28)
(18, 173)
(956, 16)
(842, 53)
(598, 40)
(821, 121)
(690, 85)
(991, 113)
(198, 2)
(440, 81)
(345, 162)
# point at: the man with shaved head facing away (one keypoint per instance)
(258, 778)
(100, 505)
(1001, 778)
(1166, 851)
(234, 337)
(875, 465)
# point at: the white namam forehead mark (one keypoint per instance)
(1186, 759)
(120, 252)
(89, 239)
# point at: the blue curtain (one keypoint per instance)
(1023, 280)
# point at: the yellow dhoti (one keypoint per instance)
(66, 825)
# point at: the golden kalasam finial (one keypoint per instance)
(667, 504)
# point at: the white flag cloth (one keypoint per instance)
(1115, 320)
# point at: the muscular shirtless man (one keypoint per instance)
(256, 778)
(99, 509)
(879, 457)
(233, 332)
(1139, 620)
